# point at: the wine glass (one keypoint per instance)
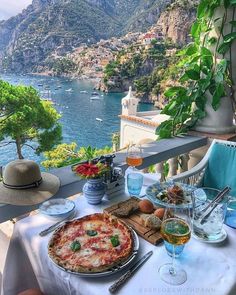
(175, 230)
(134, 156)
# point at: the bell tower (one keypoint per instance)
(129, 104)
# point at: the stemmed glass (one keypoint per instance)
(175, 230)
(134, 156)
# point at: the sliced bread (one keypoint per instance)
(151, 221)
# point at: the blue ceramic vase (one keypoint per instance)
(94, 190)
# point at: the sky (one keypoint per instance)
(10, 8)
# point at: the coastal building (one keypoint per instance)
(140, 128)
(137, 127)
(147, 38)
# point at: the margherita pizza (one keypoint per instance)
(93, 243)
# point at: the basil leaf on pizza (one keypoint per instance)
(75, 246)
(90, 244)
(91, 232)
(115, 241)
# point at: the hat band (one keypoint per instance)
(31, 185)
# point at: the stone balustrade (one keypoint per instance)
(176, 165)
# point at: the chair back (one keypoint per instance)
(221, 168)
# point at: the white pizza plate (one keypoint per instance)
(114, 269)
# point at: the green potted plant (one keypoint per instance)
(204, 98)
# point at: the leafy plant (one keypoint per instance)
(26, 120)
(62, 66)
(89, 153)
(68, 154)
(115, 139)
(205, 69)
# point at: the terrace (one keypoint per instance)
(155, 152)
(188, 150)
(211, 269)
(181, 152)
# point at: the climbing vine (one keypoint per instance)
(205, 68)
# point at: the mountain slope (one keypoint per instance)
(146, 14)
(48, 28)
(29, 38)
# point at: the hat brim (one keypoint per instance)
(49, 186)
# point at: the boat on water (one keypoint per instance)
(83, 91)
(95, 96)
(69, 90)
(99, 119)
(45, 92)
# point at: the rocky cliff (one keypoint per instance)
(146, 14)
(157, 62)
(176, 21)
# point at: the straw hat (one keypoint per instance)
(24, 184)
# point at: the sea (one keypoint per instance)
(84, 121)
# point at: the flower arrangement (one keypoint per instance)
(90, 170)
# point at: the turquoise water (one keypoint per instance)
(78, 112)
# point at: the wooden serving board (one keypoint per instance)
(135, 221)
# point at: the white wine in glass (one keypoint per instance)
(175, 230)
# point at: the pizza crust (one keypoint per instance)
(97, 254)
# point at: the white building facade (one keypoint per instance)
(137, 127)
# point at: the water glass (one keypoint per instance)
(211, 228)
(134, 183)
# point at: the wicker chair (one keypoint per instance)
(195, 176)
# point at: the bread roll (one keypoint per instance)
(159, 212)
(146, 206)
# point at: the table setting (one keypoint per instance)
(210, 269)
(195, 258)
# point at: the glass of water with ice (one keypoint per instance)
(209, 229)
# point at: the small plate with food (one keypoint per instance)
(176, 193)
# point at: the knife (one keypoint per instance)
(55, 225)
(128, 274)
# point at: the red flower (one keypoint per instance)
(89, 170)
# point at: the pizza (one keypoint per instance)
(93, 243)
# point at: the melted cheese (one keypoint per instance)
(95, 250)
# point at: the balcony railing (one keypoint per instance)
(153, 153)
